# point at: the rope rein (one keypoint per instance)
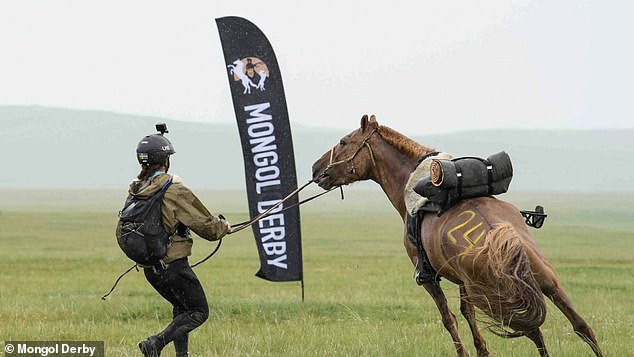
(210, 254)
(247, 223)
(244, 225)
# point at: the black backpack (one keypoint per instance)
(143, 237)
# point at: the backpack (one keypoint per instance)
(143, 237)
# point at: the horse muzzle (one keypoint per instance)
(321, 177)
(322, 180)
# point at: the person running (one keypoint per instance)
(173, 278)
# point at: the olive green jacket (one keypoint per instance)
(180, 205)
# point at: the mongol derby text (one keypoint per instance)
(56, 349)
(267, 175)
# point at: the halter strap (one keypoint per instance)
(364, 143)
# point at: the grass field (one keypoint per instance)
(58, 256)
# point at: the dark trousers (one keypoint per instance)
(179, 285)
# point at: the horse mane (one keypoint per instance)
(403, 143)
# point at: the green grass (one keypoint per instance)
(58, 256)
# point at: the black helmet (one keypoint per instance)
(154, 149)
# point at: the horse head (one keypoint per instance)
(350, 160)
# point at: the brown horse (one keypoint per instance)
(481, 244)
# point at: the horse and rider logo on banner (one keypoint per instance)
(251, 72)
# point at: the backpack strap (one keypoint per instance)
(167, 184)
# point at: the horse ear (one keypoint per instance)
(368, 123)
(372, 123)
(364, 122)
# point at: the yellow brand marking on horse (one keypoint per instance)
(467, 234)
(450, 233)
(475, 241)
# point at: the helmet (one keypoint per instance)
(154, 149)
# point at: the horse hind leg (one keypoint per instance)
(579, 325)
(538, 339)
(550, 286)
(448, 318)
(468, 312)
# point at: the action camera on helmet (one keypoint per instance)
(154, 149)
(162, 128)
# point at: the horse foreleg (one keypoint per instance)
(579, 325)
(537, 338)
(448, 318)
(468, 312)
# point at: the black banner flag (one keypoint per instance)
(267, 146)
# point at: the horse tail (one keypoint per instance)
(505, 289)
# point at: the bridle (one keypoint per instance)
(353, 170)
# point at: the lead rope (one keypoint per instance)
(117, 281)
(265, 213)
(241, 226)
(210, 254)
(244, 225)
(295, 205)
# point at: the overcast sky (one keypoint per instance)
(420, 66)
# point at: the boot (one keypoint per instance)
(180, 345)
(177, 330)
(151, 347)
(182, 325)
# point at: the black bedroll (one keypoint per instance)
(465, 177)
(143, 237)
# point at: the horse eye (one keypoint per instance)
(341, 142)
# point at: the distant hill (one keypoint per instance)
(64, 149)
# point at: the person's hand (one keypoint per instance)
(229, 228)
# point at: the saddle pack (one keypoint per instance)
(143, 237)
(450, 181)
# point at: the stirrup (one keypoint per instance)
(535, 218)
(425, 277)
